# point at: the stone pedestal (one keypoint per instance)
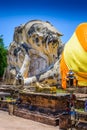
(65, 122)
(44, 108)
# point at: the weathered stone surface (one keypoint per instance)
(50, 102)
(82, 126)
(81, 116)
(34, 54)
(81, 89)
(44, 108)
(36, 117)
(64, 122)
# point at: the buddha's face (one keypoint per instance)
(43, 40)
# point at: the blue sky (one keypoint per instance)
(65, 15)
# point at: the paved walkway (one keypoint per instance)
(8, 122)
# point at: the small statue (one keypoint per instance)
(71, 80)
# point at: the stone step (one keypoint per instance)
(37, 117)
(81, 126)
(7, 88)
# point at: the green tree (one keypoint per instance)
(3, 56)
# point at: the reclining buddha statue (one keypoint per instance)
(34, 54)
(37, 56)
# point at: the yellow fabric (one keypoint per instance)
(75, 56)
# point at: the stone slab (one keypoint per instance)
(42, 118)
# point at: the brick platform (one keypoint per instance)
(35, 116)
(44, 108)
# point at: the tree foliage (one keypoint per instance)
(3, 56)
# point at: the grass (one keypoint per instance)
(80, 110)
(61, 91)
